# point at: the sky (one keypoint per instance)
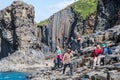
(43, 8)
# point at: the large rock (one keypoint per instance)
(107, 14)
(66, 24)
(60, 28)
(63, 25)
(18, 31)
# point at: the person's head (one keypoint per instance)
(78, 39)
(58, 47)
(95, 46)
(68, 50)
(103, 45)
(98, 46)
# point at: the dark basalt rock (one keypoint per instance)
(66, 24)
(63, 25)
(18, 31)
(107, 14)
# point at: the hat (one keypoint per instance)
(103, 45)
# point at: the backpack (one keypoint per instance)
(110, 51)
(105, 51)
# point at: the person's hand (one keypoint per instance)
(73, 52)
(63, 62)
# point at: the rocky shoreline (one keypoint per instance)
(42, 68)
(24, 47)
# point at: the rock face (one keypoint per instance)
(20, 38)
(60, 28)
(63, 25)
(18, 31)
(66, 23)
(107, 14)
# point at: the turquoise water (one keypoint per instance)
(13, 76)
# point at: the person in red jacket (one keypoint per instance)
(97, 53)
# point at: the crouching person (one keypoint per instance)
(67, 61)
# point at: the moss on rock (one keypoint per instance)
(43, 23)
(84, 7)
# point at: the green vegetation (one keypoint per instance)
(43, 23)
(82, 8)
(85, 7)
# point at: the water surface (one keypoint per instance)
(13, 76)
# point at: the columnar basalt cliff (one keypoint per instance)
(60, 27)
(66, 23)
(63, 25)
(18, 31)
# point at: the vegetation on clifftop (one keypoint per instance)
(43, 23)
(84, 7)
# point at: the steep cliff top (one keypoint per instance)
(82, 8)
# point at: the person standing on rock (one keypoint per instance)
(97, 53)
(79, 40)
(67, 61)
(105, 53)
(73, 44)
(59, 56)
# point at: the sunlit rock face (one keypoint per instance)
(63, 25)
(17, 30)
(60, 27)
(66, 23)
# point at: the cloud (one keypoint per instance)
(59, 6)
(53, 8)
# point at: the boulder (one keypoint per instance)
(18, 30)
